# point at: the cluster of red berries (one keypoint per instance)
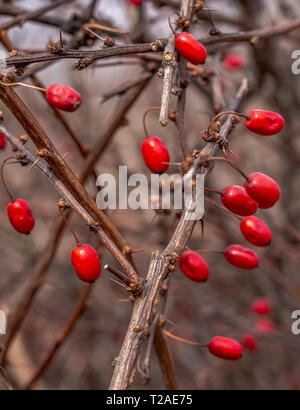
(261, 307)
(84, 258)
(260, 191)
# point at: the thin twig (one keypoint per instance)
(62, 337)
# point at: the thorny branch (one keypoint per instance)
(78, 208)
(48, 254)
(161, 268)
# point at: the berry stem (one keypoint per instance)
(171, 26)
(209, 251)
(181, 339)
(24, 85)
(212, 190)
(144, 119)
(3, 179)
(232, 164)
(70, 228)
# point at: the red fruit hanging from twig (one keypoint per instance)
(225, 348)
(241, 257)
(63, 97)
(156, 155)
(265, 326)
(194, 266)
(86, 263)
(154, 150)
(20, 216)
(256, 231)
(234, 62)
(264, 122)
(262, 306)
(250, 342)
(190, 48)
(236, 199)
(263, 189)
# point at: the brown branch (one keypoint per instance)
(121, 89)
(169, 66)
(63, 172)
(253, 36)
(144, 48)
(20, 19)
(37, 282)
(187, 11)
(49, 252)
(76, 54)
(165, 359)
(77, 207)
(62, 337)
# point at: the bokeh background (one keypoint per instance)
(198, 312)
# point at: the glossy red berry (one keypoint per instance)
(86, 262)
(241, 257)
(234, 61)
(263, 189)
(265, 326)
(236, 199)
(190, 48)
(262, 306)
(250, 342)
(256, 231)
(20, 216)
(194, 266)
(2, 141)
(225, 348)
(63, 97)
(264, 122)
(156, 155)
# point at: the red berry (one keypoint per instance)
(250, 342)
(20, 216)
(234, 61)
(190, 48)
(63, 97)
(262, 306)
(86, 262)
(156, 155)
(256, 231)
(225, 348)
(265, 326)
(194, 266)
(236, 199)
(241, 257)
(136, 2)
(263, 189)
(264, 122)
(2, 141)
